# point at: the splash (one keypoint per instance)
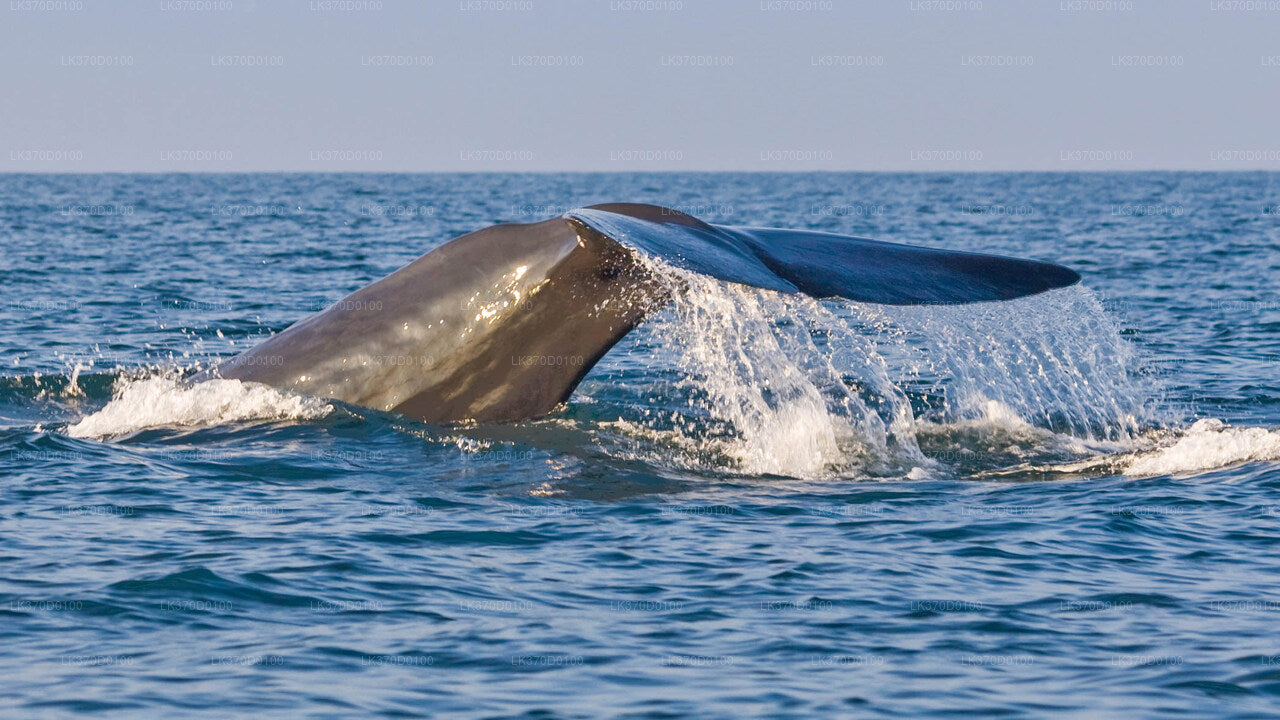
(785, 385)
(760, 365)
(1054, 360)
(139, 403)
(788, 385)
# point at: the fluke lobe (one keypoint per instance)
(502, 324)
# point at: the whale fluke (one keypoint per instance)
(823, 264)
(502, 324)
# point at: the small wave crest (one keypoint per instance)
(1207, 445)
(139, 403)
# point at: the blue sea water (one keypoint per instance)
(1061, 506)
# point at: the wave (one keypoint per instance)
(139, 403)
(1207, 445)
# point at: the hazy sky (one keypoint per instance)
(476, 85)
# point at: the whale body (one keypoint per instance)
(501, 324)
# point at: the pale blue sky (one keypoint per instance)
(478, 85)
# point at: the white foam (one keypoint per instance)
(1208, 444)
(140, 403)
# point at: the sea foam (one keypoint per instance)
(1206, 445)
(140, 403)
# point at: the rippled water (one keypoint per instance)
(755, 505)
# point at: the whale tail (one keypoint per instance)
(502, 324)
(821, 264)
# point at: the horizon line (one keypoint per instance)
(933, 171)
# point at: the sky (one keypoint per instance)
(629, 85)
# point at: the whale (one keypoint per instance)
(502, 324)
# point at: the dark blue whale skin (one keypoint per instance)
(501, 325)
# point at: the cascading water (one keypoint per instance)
(788, 385)
(1055, 360)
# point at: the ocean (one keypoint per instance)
(756, 505)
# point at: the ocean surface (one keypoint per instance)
(1062, 506)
